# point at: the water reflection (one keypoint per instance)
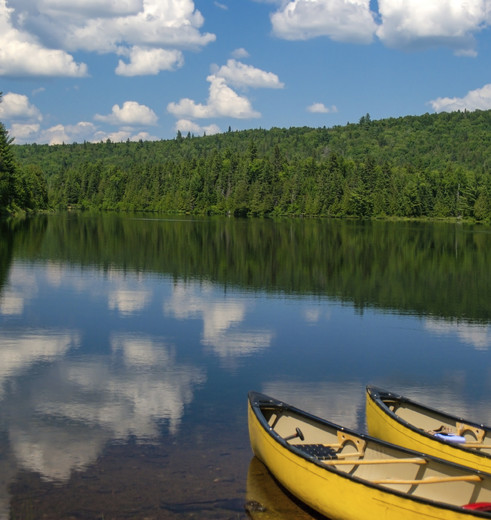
(127, 348)
(342, 403)
(80, 404)
(18, 352)
(475, 334)
(423, 269)
(268, 500)
(224, 320)
(22, 286)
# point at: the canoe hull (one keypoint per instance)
(336, 495)
(389, 428)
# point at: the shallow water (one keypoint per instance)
(128, 346)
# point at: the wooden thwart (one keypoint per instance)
(336, 462)
(431, 480)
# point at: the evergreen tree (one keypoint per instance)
(7, 169)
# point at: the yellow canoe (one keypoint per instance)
(401, 421)
(345, 475)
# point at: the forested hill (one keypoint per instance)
(436, 165)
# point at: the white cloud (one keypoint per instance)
(21, 54)
(479, 99)
(131, 113)
(222, 102)
(58, 134)
(173, 23)
(145, 60)
(54, 135)
(83, 131)
(185, 126)
(240, 75)
(24, 132)
(36, 35)
(340, 20)
(240, 53)
(93, 8)
(320, 108)
(402, 24)
(16, 107)
(426, 23)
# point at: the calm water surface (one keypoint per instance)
(128, 346)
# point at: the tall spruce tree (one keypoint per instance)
(7, 169)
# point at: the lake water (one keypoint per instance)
(128, 346)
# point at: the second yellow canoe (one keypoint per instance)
(401, 421)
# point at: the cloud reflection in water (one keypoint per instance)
(62, 419)
(223, 321)
(475, 334)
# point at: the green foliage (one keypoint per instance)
(7, 171)
(430, 166)
(20, 188)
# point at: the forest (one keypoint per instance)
(431, 166)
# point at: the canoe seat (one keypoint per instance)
(319, 451)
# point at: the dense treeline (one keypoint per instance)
(420, 166)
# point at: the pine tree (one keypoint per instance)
(7, 169)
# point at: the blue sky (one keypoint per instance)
(89, 70)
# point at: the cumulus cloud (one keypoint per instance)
(340, 20)
(428, 23)
(240, 75)
(21, 54)
(240, 53)
(401, 24)
(173, 23)
(79, 132)
(36, 35)
(121, 136)
(15, 107)
(93, 8)
(57, 134)
(146, 61)
(222, 102)
(185, 126)
(479, 99)
(320, 108)
(131, 113)
(22, 133)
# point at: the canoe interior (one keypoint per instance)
(429, 420)
(347, 453)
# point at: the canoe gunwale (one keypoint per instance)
(376, 395)
(258, 400)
